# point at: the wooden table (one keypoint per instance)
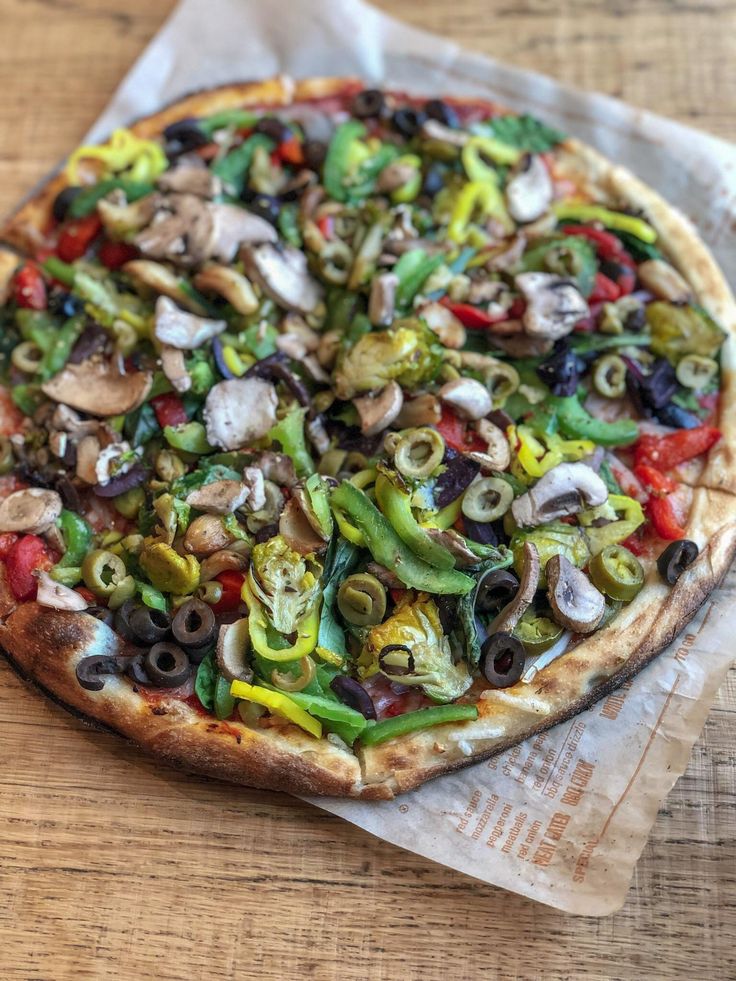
(111, 868)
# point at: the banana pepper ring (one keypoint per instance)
(124, 153)
(277, 704)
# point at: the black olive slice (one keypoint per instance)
(502, 660)
(194, 624)
(495, 590)
(675, 559)
(148, 625)
(351, 692)
(368, 104)
(167, 665)
(91, 670)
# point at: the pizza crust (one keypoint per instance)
(45, 645)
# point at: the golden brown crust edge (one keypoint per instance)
(44, 645)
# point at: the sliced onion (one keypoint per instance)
(547, 657)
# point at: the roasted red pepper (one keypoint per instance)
(457, 434)
(665, 452)
(326, 225)
(604, 290)
(606, 244)
(476, 319)
(291, 151)
(116, 254)
(232, 584)
(613, 284)
(76, 236)
(29, 289)
(169, 410)
(25, 556)
(659, 506)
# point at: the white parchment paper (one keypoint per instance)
(563, 817)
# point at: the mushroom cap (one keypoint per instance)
(98, 388)
(230, 284)
(563, 490)
(575, 601)
(297, 532)
(554, 304)
(160, 278)
(469, 398)
(231, 652)
(56, 595)
(379, 411)
(239, 411)
(187, 331)
(219, 497)
(190, 177)
(233, 226)
(529, 189)
(175, 368)
(283, 275)
(31, 511)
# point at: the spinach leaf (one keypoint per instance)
(525, 132)
(206, 682)
(638, 250)
(234, 166)
(342, 557)
(141, 425)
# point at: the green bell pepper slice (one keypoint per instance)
(347, 722)
(341, 154)
(57, 354)
(412, 271)
(59, 270)
(77, 535)
(577, 423)
(389, 550)
(396, 506)
(233, 168)
(86, 201)
(401, 725)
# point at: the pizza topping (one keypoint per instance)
(487, 499)
(378, 411)
(31, 511)
(228, 283)
(191, 176)
(617, 572)
(554, 305)
(502, 660)
(664, 281)
(174, 367)
(675, 559)
(351, 692)
(91, 670)
(506, 620)
(469, 399)
(283, 275)
(183, 330)
(231, 653)
(529, 189)
(419, 452)
(239, 411)
(167, 665)
(97, 388)
(194, 625)
(402, 725)
(57, 596)
(219, 497)
(575, 601)
(562, 491)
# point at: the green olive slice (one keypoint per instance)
(361, 599)
(419, 453)
(487, 499)
(102, 571)
(609, 376)
(695, 371)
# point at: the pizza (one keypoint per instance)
(349, 437)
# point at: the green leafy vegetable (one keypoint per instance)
(206, 681)
(342, 557)
(525, 132)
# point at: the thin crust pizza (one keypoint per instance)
(350, 438)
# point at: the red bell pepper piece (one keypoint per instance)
(169, 410)
(25, 556)
(29, 288)
(604, 290)
(291, 151)
(659, 506)
(665, 452)
(7, 540)
(76, 236)
(116, 254)
(606, 244)
(457, 435)
(326, 225)
(232, 584)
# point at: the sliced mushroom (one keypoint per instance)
(96, 387)
(382, 300)
(231, 652)
(424, 410)
(433, 129)
(282, 274)
(575, 601)
(498, 453)
(57, 596)
(119, 218)
(506, 257)
(329, 346)
(181, 329)
(554, 304)
(395, 175)
(664, 281)
(317, 434)
(292, 346)
(529, 189)
(228, 283)
(233, 227)
(88, 451)
(69, 421)
(182, 232)
(445, 325)
(206, 535)
(154, 276)
(377, 412)
(510, 615)
(565, 489)
(254, 483)
(469, 398)
(455, 545)
(239, 411)
(222, 561)
(522, 345)
(30, 511)
(297, 531)
(174, 367)
(269, 513)
(278, 467)
(219, 497)
(191, 176)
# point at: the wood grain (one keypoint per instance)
(111, 868)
